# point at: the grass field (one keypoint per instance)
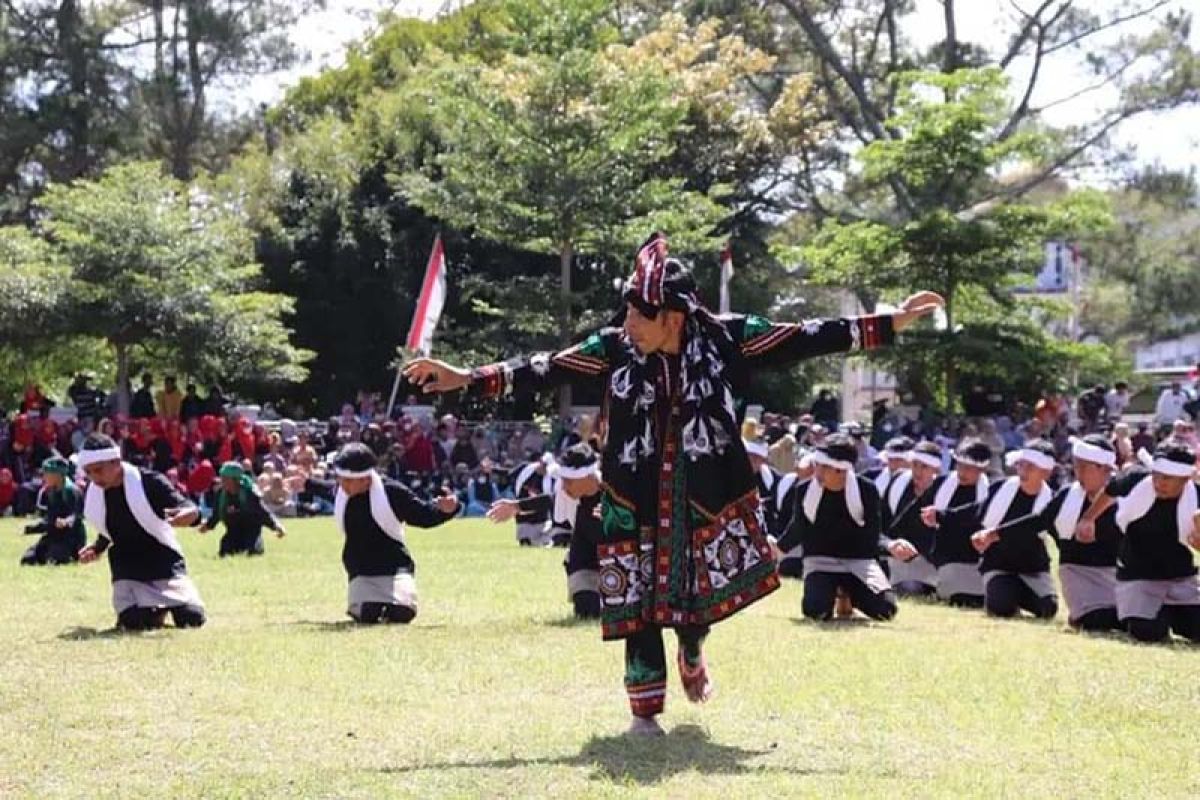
(494, 692)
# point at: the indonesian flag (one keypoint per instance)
(429, 305)
(726, 276)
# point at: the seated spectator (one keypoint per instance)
(8, 491)
(278, 499)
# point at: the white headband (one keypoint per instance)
(826, 461)
(756, 448)
(89, 457)
(1175, 469)
(345, 473)
(970, 462)
(928, 459)
(899, 455)
(575, 473)
(1081, 450)
(1040, 460)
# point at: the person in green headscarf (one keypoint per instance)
(239, 505)
(62, 529)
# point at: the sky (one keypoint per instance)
(1171, 138)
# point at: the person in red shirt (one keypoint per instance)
(418, 452)
(201, 479)
(8, 491)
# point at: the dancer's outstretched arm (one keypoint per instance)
(583, 363)
(767, 343)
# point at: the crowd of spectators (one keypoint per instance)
(188, 437)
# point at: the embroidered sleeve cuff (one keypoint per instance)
(875, 331)
(487, 381)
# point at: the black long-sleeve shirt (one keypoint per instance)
(60, 504)
(134, 554)
(1151, 549)
(1020, 548)
(244, 513)
(368, 550)
(905, 522)
(834, 532)
(956, 525)
(1101, 553)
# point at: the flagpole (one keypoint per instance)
(426, 314)
(396, 384)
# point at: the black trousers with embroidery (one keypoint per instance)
(646, 665)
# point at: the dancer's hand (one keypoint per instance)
(902, 550)
(503, 510)
(776, 552)
(447, 504)
(181, 517)
(280, 532)
(1085, 532)
(929, 516)
(916, 306)
(88, 554)
(1194, 539)
(982, 540)
(436, 376)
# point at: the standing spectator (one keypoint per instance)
(1123, 445)
(1170, 405)
(1116, 401)
(419, 452)
(825, 410)
(215, 404)
(142, 406)
(192, 406)
(443, 445)
(463, 451)
(1092, 407)
(88, 402)
(169, 400)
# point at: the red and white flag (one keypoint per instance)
(430, 303)
(726, 276)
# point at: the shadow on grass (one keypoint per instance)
(85, 634)
(640, 759)
(351, 625)
(571, 622)
(836, 625)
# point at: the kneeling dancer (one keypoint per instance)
(958, 500)
(135, 511)
(371, 512)
(240, 507)
(837, 522)
(63, 534)
(1015, 564)
(579, 476)
(1158, 590)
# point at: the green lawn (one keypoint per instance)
(493, 692)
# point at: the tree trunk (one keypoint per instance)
(75, 56)
(949, 376)
(566, 256)
(122, 378)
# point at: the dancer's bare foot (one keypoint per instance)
(842, 607)
(645, 726)
(697, 685)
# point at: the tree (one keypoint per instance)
(195, 45)
(61, 96)
(944, 153)
(555, 150)
(140, 261)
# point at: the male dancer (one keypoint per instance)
(683, 545)
(135, 512)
